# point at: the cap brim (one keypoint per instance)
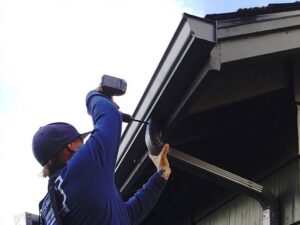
(84, 135)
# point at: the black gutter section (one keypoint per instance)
(207, 171)
(229, 180)
(188, 50)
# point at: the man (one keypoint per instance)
(82, 188)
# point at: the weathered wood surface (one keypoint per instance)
(243, 210)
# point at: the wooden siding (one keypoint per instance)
(243, 210)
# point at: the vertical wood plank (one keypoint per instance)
(244, 210)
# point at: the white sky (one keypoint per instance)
(52, 52)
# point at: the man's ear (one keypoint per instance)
(71, 147)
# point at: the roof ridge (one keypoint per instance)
(254, 11)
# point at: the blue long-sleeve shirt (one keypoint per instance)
(85, 188)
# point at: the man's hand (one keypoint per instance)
(99, 89)
(161, 161)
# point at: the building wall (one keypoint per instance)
(243, 210)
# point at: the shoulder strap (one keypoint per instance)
(54, 202)
(40, 207)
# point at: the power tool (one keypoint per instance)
(113, 86)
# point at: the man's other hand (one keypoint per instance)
(161, 161)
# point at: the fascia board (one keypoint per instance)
(258, 25)
(258, 45)
(257, 19)
(190, 29)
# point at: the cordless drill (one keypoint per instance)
(112, 86)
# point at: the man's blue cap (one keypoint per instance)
(52, 138)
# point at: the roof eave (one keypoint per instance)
(192, 32)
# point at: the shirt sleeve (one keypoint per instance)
(102, 110)
(141, 204)
(105, 138)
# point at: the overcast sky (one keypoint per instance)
(52, 52)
